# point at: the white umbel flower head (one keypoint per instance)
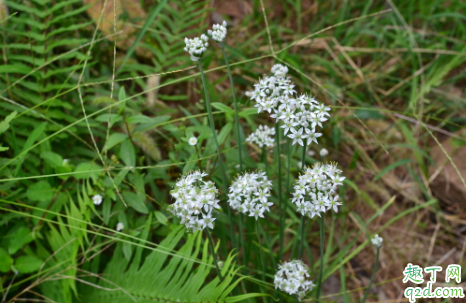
(196, 47)
(195, 201)
(263, 136)
(249, 194)
(314, 191)
(120, 226)
(97, 199)
(219, 33)
(300, 114)
(377, 241)
(192, 141)
(291, 278)
(323, 152)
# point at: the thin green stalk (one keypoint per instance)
(301, 242)
(240, 145)
(303, 161)
(319, 282)
(212, 251)
(241, 238)
(260, 250)
(372, 277)
(281, 226)
(222, 167)
(288, 177)
(264, 159)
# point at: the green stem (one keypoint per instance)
(303, 161)
(288, 177)
(301, 242)
(219, 155)
(319, 282)
(212, 251)
(241, 238)
(260, 250)
(372, 277)
(240, 145)
(264, 159)
(281, 227)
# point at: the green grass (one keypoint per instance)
(393, 73)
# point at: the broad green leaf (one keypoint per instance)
(5, 260)
(21, 237)
(222, 107)
(127, 153)
(28, 264)
(161, 217)
(121, 97)
(115, 139)
(224, 133)
(248, 112)
(5, 124)
(40, 191)
(52, 159)
(87, 170)
(139, 119)
(135, 202)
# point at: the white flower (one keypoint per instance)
(263, 136)
(311, 153)
(323, 152)
(249, 193)
(65, 162)
(377, 241)
(277, 95)
(192, 141)
(219, 33)
(195, 201)
(314, 191)
(97, 199)
(291, 278)
(196, 47)
(120, 226)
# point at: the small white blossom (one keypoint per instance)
(323, 152)
(301, 115)
(291, 278)
(249, 193)
(192, 141)
(377, 241)
(314, 191)
(219, 33)
(196, 47)
(311, 153)
(263, 136)
(120, 226)
(97, 199)
(195, 201)
(65, 162)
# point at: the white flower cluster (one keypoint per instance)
(377, 241)
(195, 200)
(291, 278)
(263, 136)
(196, 47)
(219, 33)
(300, 115)
(249, 193)
(97, 199)
(314, 191)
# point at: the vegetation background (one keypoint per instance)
(119, 100)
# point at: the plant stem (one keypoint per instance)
(372, 277)
(241, 238)
(219, 155)
(281, 227)
(319, 282)
(260, 250)
(240, 145)
(288, 177)
(264, 159)
(212, 251)
(301, 242)
(303, 161)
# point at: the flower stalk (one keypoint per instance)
(212, 251)
(321, 270)
(372, 277)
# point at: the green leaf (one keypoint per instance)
(161, 217)
(151, 125)
(222, 107)
(28, 264)
(121, 97)
(248, 112)
(5, 124)
(135, 202)
(115, 139)
(139, 119)
(29, 142)
(40, 191)
(368, 114)
(103, 100)
(127, 250)
(127, 153)
(336, 136)
(390, 167)
(87, 170)
(224, 133)
(5, 261)
(52, 159)
(22, 236)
